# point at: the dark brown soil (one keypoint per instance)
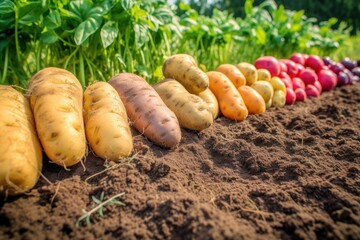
(290, 173)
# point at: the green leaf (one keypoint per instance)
(165, 15)
(49, 37)
(30, 13)
(332, 21)
(298, 16)
(53, 20)
(80, 8)
(108, 33)
(86, 29)
(141, 36)
(126, 4)
(184, 7)
(6, 6)
(249, 7)
(261, 35)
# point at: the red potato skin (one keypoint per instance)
(270, 63)
(146, 110)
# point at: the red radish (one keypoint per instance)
(287, 81)
(315, 62)
(298, 58)
(270, 63)
(312, 91)
(327, 79)
(290, 96)
(300, 94)
(298, 83)
(292, 69)
(318, 86)
(308, 76)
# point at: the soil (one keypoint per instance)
(290, 173)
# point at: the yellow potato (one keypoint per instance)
(211, 100)
(279, 99)
(263, 74)
(20, 149)
(183, 68)
(252, 99)
(106, 122)
(192, 112)
(268, 104)
(249, 71)
(278, 84)
(264, 88)
(56, 98)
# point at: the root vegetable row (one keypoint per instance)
(56, 116)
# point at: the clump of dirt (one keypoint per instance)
(288, 173)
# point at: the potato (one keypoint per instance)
(249, 72)
(146, 110)
(279, 99)
(56, 98)
(212, 102)
(231, 104)
(268, 104)
(106, 123)
(278, 84)
(192, 112)
(20, 149)
(252, 99)
(264, 88)
(233, 73)
(183, 68)
(263, 74)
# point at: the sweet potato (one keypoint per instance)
(146, 110)
(254, 102)
(183, 68)
(192, 112)
(56, 98)
(106, 123)
(211, 100)
(20, 150)
(233, 73)
(230, 101)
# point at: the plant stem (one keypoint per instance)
(82, 69)
(6, 62)
(17, 47)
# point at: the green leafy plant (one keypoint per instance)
(98, 205)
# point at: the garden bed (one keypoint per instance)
(291, 172)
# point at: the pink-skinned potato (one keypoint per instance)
(318, 86)
(291, 66)
(146, 110)
(308, 76)
(298, 83)
(290, 96)
(297, 58)
(314, 62)
(311, 91)
(327, 79)
(270, 63)
(300, 94)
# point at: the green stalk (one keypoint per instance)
(6, 62)
(82, 69)
(17, 47)
(38, 57)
